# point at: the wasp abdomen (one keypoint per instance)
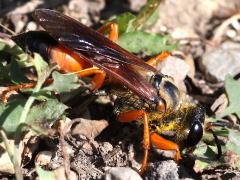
(42, 43)
(35, 41)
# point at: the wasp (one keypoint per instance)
(170, 120)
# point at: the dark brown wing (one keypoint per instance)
(98, 50)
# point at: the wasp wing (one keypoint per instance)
(98, 50)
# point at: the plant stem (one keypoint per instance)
(14, 160)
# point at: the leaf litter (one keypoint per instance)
(89, 148)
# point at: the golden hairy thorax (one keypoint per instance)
(172, 124)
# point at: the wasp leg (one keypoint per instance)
(160, 57)
(136, 115)
(164, 144)
(98, 78)
(17, 87)
(97, 81)
(112, 28)
(100, 75)
(209, 127)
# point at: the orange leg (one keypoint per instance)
(5, 92)
(100, 75)
(98, 78)
(164, 144)
(112, 28)
(136, 115)
(160, 57)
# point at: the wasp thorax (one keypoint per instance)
(167, 91)
(195, 119)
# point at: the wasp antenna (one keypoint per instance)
(7, 29)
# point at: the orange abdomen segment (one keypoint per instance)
(67, 60)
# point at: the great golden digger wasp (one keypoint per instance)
(170, 120)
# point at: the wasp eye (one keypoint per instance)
(195, 134)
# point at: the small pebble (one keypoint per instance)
(122, 173)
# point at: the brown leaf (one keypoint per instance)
(220, 104)
(30, 145)
(89, 128)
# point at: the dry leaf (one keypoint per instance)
(30, 145)
(89, 128)
(220, 104)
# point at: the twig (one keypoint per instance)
(66, 161)
(205, 41)
(7, 29)
(221, 29)
(13, 158)
(145, 14)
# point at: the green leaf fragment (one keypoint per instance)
(149, 44)
(205, 151)
(5, 77)
(23, 59)
(10, 115)
(2, 46)
(205, 157)
(63, 82)
(16, 74)
(45, 175)
(43, 71)
(233, 92)
(233, 143)
(44, 112)
(124, 22)
(222, 132)
(17, 54)
(19, 112)
(127, 22)
(42, 68)
(147, 16)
